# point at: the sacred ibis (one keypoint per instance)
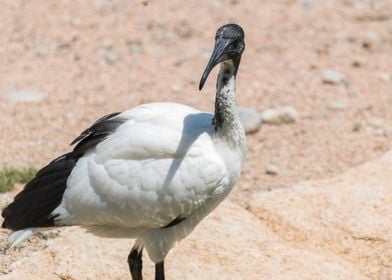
(150, 173)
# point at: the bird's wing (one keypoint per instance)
(158, 165)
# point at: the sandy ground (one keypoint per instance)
(96, 57)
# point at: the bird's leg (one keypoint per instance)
(159, 271)
(135, 262)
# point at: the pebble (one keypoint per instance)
(250, 119)
(110, 55)
(358, 62)
(69, 115)
(375, 122)
(280, 116)
(59, 46)
(336, 105)
(308, 4)
(386, 77)
(40, 52)
(380, 132)
(134, 45)
(24, 96)
(356, 127)
(371, 40)
(331, 76)
(176, 88)
(179, 61)
(271, 169)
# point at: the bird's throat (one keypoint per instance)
(226, 116)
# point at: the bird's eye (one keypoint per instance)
(235, 44)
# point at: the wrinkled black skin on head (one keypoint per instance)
(230, 31)
(229, 45)
(235, 34)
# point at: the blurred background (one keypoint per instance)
(64, 64)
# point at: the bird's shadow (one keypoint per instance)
(194, 126)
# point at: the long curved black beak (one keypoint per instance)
(217, 56)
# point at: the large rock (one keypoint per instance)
(230, 244)
(339, 228)
(349, 216)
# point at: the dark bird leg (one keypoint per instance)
(159, 271)
(135, 263)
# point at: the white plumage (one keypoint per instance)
(151, 173)
(164, 162)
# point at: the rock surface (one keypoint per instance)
(240, 247)
(338, 228)
(349, 216)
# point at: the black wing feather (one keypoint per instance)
(97, 132)
(34, 205)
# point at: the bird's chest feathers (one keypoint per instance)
(233, 157)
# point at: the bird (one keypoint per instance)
(151, 173)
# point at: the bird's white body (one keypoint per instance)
(166, 161)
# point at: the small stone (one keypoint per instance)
(308, 4)
(60, 46)
(17, 37)
(386, 77)
(336, 105)
(134, 46)
(110, 55)
(358, 62)
(356, 127)
(380, 132)
(40, 52)
(179, 61)
(176, 88)
(375, 122)
(331, 76)
(69, 115)
(271, 169)
(24, 96)
(250, 119)
(279, 116)
(371, 40)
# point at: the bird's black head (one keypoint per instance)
(229, 45)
